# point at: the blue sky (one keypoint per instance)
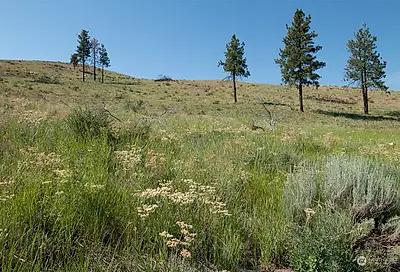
(185, 39)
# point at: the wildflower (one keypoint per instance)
(97, 186)
(129, 158)
(62, 173)
(173, 242)
(146, 210)
(166, 234)
(155, 159)
(6, 182)
(189, 239)
(183, 225)
(185, 253)
(309, 213)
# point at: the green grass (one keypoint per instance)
(81, 190)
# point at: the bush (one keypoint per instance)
(132, 131)
(341, 195)
(321, 243)
(47, 80)
(85, 122)
(366, 189)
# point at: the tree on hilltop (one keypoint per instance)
(235, 63)
(74, 60)
(104, 60)
(94, 48)
(297, 60)
(365, 66)
(83, 49)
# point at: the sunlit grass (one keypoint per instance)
(193, 187)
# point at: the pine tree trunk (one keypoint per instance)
(365, 98)
(364, 91)
(301, 96)
(234, 88)
(83, 70)
(102, 74)
(94, 65)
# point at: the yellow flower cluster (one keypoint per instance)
(196, 192)
(41, 159)
(154, 159)
(33, 117)
(6, 182)
(188, 239)
(146, 210)
(6, 197)
(129, 158)
(63, 175)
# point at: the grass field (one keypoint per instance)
(137, 175)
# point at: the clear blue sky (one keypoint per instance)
(185, 39)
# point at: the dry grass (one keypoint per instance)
(329, 106)
(183, 179)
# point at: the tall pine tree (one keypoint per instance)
(235, 63)
(83, 49)
(365, 65)
(104, 60)
(297, 60)
(94, 48)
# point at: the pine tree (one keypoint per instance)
(365, 65)
(83, 49)
(104, 60)
(74, 60)
(235, 63)
(297, 60)
(94, 47)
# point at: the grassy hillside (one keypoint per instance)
(22, 89)
(137, 175)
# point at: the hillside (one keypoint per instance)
(23, 88)
(137, 175)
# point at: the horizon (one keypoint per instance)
(173, 38)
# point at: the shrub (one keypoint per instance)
(134, 106)
(345, 194)
(320, 243)
(132, 131)
(47, 80)
(366, 189)
(85, 122)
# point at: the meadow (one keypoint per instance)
(137, 175)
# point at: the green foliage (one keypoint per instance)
(88, 123)
(365, 66)
(365, 61)
(235, 62)
(47, 80)
(104, 60)
(352, 184)
(321, 243)
(297, 60)
(74, 60)
(68, 205)
(83, 49)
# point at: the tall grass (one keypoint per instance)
(189, 197)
